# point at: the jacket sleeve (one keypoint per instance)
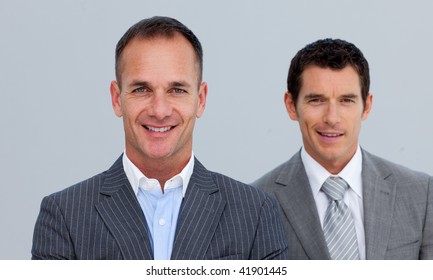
(426, 251)
(270, 242)
(51, 239)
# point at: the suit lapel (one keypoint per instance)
(200, 214)
(379, 198)
(122, 214)
(296, 199)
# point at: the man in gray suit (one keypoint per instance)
(338, 201)
(158, 201)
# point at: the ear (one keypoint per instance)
(202, 95)
(290, 106)
(367, 107)
(115, 98)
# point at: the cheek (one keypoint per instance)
(133, 108)
(309, 118)
(357, 125)
(354, 124)
(189, 110)
(306, 130)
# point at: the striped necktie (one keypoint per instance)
(338, 226)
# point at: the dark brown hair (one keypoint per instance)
(328, 53)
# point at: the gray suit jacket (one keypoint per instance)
(398, 210)
(100, 218)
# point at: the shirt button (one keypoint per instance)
(161, 222)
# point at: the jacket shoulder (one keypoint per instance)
(92, 185)
(271, 178)
(232, 189)
(86, 188)
(236, 189)
(393, 171)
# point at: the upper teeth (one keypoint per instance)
(330, 135)
(160, 129)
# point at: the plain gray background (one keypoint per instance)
(57, 60)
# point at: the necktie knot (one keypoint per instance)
(335, 187)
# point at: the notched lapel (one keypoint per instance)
(296, 199)
(379, 194)
(122, 214)
(200, 214)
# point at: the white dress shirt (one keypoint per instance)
(351, 173)
(136, 178)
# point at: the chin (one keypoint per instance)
(160, 155)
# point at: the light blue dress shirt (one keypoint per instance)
(161, 210)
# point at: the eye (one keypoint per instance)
(179, 90)
(140, 89)
(315, 101)
(347, 100)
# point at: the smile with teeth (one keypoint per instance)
(329, 134)
(158, 129)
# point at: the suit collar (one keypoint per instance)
(200, 214)
(379, 191)
(296, 200)
(122, 214)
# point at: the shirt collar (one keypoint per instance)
(137, 179)
(317, 174)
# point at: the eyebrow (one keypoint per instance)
(179, 84)
(317, 95)
(350, 95)
(313, 96)
(138, 83)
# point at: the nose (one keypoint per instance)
(160, 106)
(331, 115)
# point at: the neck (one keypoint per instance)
(160, 169)
(334, 168)
(333, 165)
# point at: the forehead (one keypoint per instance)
(322, 80)
(157, 54)
(157, 47)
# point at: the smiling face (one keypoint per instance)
(329, 110)
(159, 98)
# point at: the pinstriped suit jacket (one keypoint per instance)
(100, 218)
(398, 210)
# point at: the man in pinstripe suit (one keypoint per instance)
(157, 201)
